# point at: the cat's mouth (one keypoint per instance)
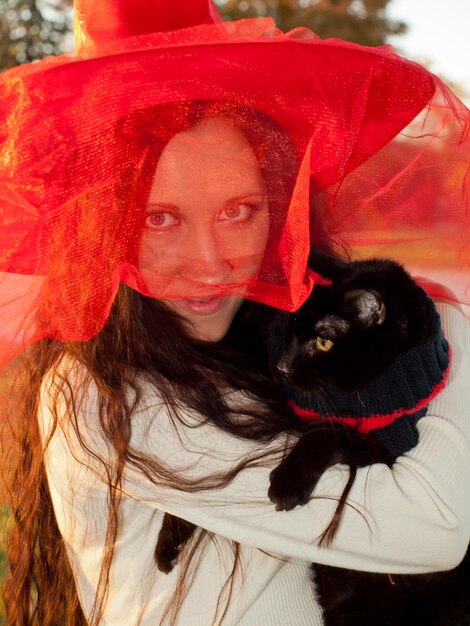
(287, 374)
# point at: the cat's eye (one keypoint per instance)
(323, 344)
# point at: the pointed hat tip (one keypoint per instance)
(109, 20)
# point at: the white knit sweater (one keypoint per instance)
(418, 512)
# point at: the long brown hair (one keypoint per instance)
(40, 589)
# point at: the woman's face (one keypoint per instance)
(206, 225)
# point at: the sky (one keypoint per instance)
(438, 35)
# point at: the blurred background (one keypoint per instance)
(432, 32)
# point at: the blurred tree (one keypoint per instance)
(360, 21)
(32, 29)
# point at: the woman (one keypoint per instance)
(167, 455)
(136, 414)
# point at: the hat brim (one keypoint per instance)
(318, 91)
(339, 103)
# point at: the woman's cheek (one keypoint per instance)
(245, 244)
(158, 252)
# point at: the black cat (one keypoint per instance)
(341, 359)
(347, 355)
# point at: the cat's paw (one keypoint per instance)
(290, 485)
(365, 306)
(166, 556)
(173, 536)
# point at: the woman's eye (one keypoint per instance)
(239, 212)
(160, 220)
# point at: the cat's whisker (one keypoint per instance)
(323, 398)
(358, 396)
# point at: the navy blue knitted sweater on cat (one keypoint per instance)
(391, 405)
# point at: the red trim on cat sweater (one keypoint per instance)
(375, 421)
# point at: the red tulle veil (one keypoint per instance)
(377, 148)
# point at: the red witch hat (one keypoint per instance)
(107, 22)
(382, 145)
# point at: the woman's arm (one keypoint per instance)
(412, 518)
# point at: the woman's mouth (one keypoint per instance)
(201, 306)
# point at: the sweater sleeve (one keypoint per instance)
(413, 518)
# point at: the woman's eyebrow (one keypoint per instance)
(247, 196)
(162, 205)
(168, 206)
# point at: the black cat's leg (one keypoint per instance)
(294, 480)
(172, 538)
(439, 598)
(354, 598)
(361, 616)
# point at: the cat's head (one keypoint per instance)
(336, 341)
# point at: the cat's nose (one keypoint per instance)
(284, 366)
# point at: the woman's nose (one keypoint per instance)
(206, 258)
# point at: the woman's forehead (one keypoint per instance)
(212, 157)
(211, 138)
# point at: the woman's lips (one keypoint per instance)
(201, 306)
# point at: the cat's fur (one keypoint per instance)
(372, 312)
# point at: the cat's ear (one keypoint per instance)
(365, 307)
(326, 265)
